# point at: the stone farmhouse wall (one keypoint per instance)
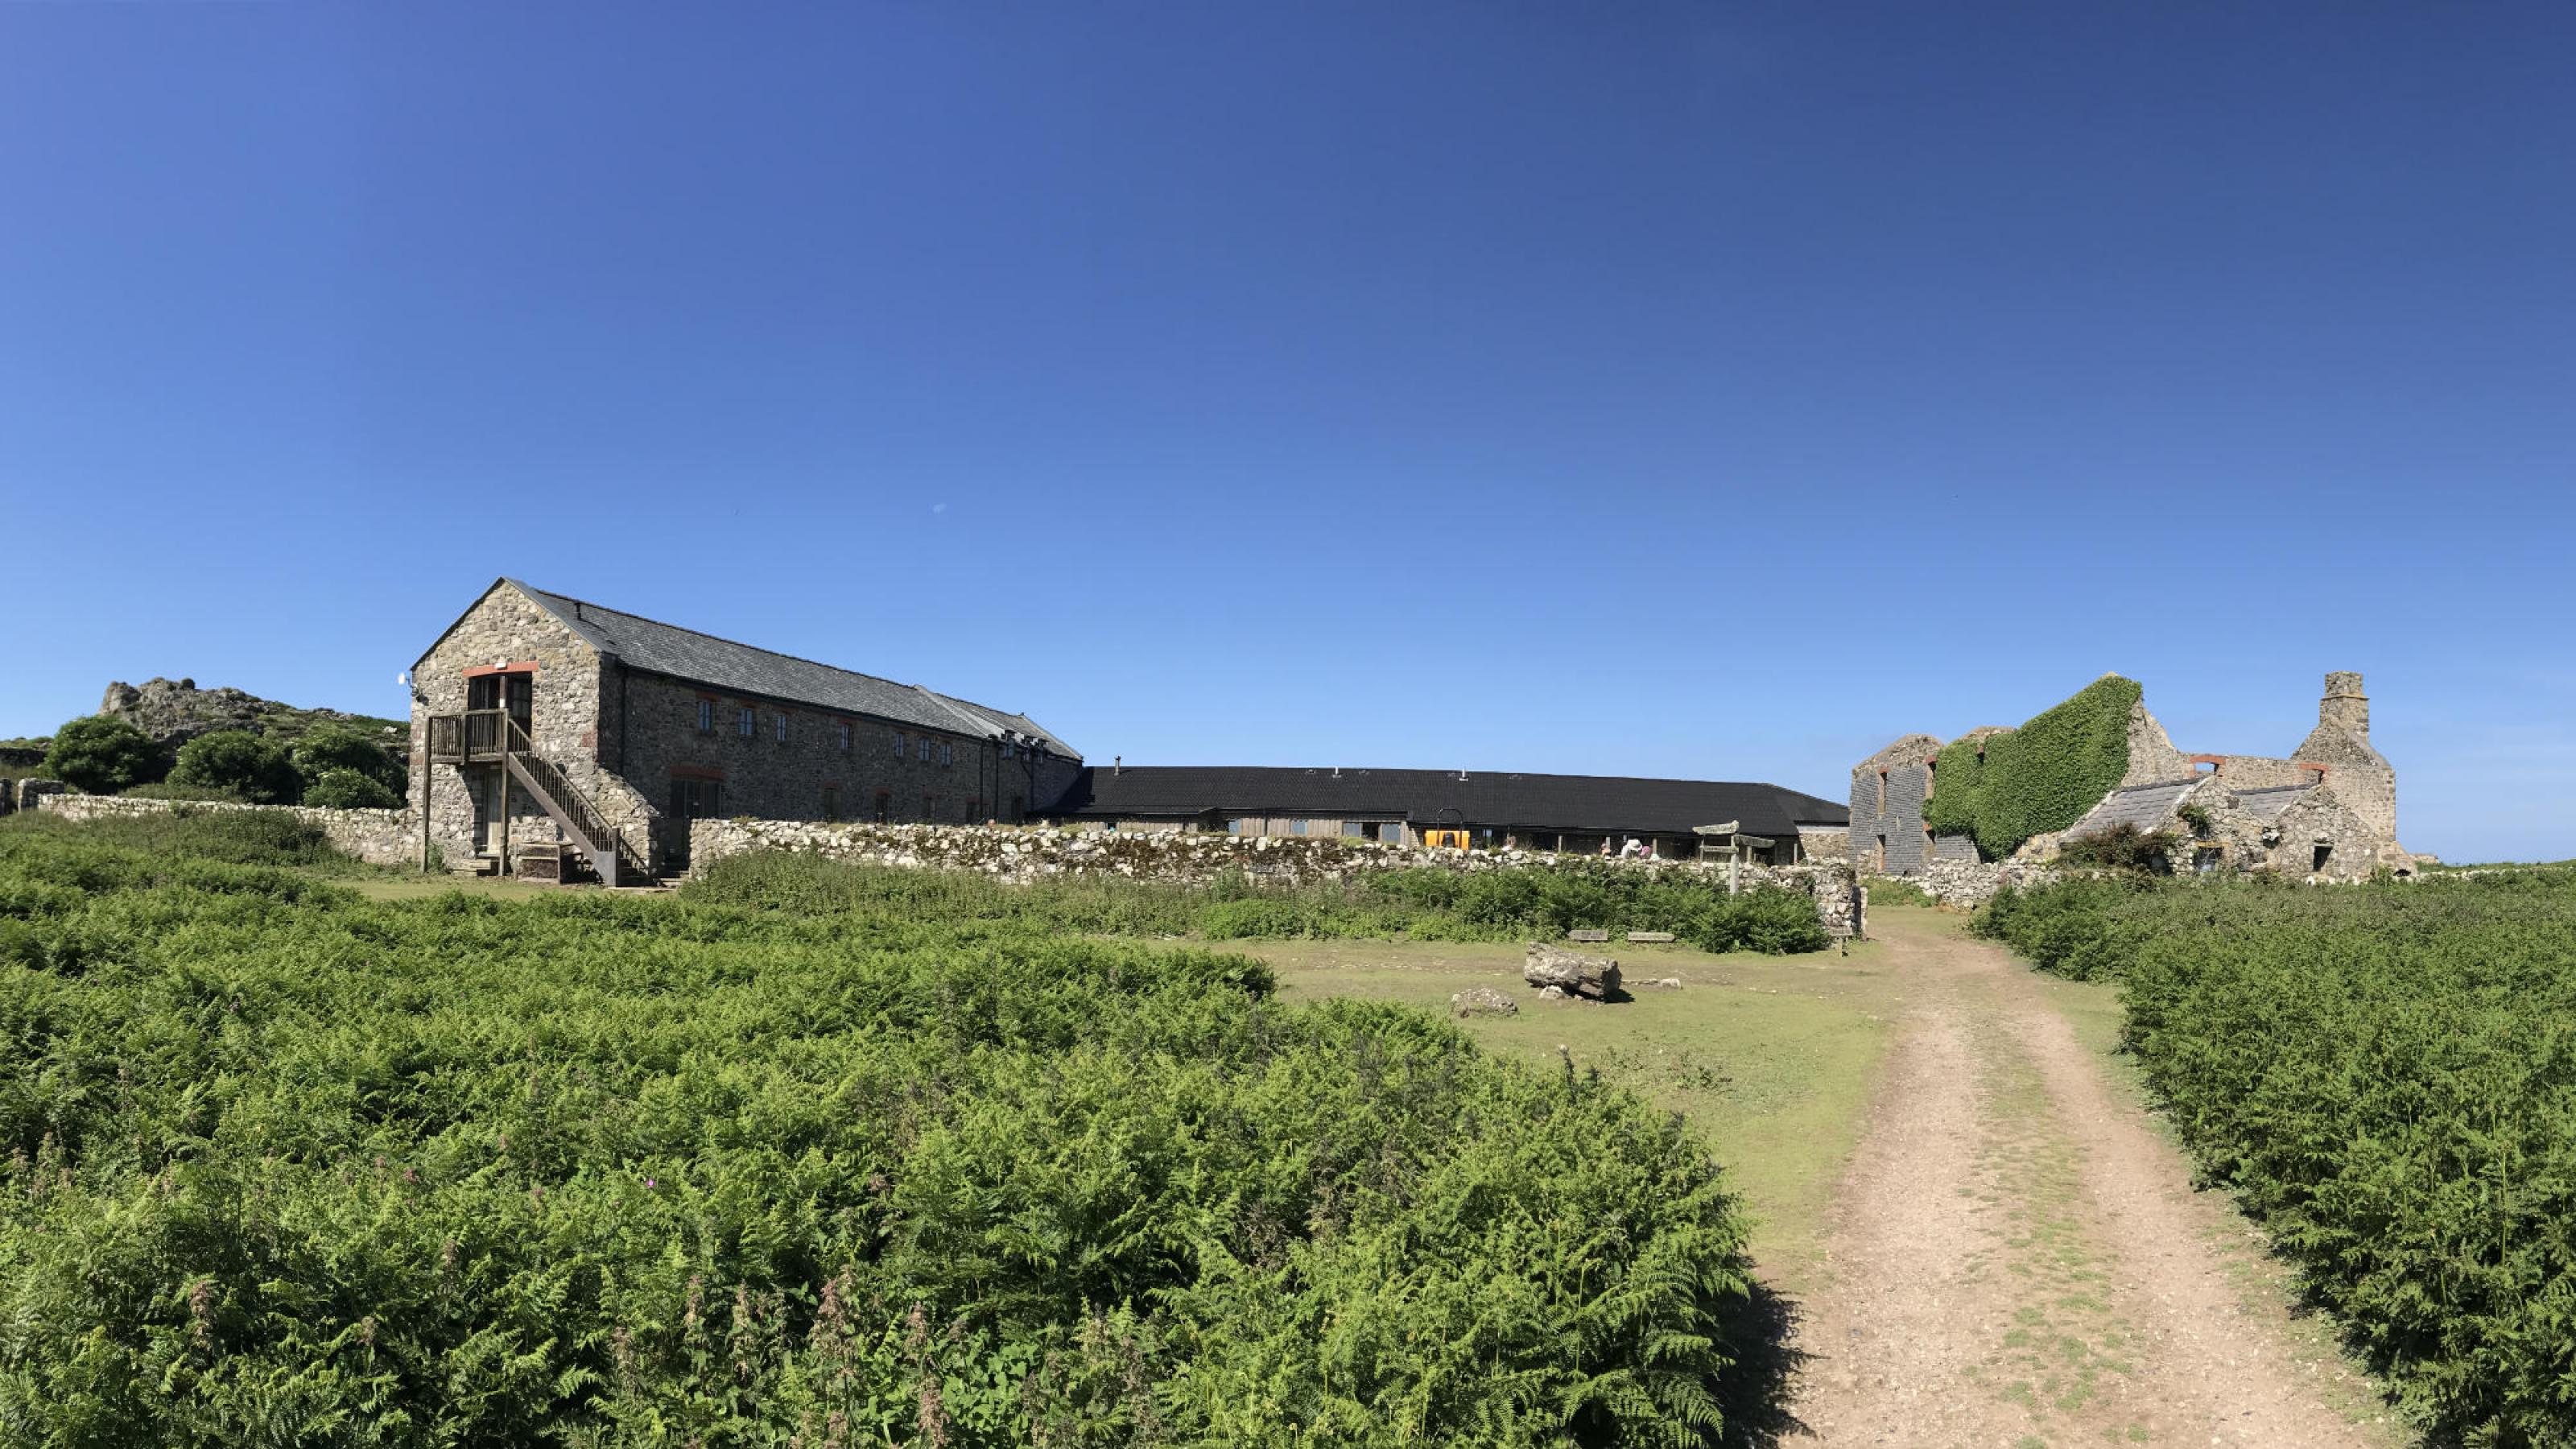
(1197, 858)
(1887, 792)
(379, 837)
(627, 738)
(507, 628)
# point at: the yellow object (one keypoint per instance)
(1455, 838)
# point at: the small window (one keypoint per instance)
(780, 721)
(1007, 748)
(923, 748)
(929, 806)
(843, 731)
(706, 716)
(1882, 792)
(743, 723)
(1356, 830)
(948, 754)
(885, 806)
(1296, 827)
(898, 746)
(831, 802)
(2324, 853)
(1234, 827)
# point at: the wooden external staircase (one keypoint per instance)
(497, 737)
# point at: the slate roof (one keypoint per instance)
(1437, 797)
(2144, 806)
(659, 648)
(2267, 804)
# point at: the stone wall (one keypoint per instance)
(1887, 792)
(31, 792)
(1196, 858)
(1969, 883)
(379, 837)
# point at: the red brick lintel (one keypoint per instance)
(524, 666)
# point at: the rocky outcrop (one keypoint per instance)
(1594, 978)
(175, 711)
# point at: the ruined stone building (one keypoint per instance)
(549, 733)
(2326, 811)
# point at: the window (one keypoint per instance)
(885, 806)
(843, 731)
(948, 754)
(742, 723)
(898, 747)
(923, 748)
(1234, 827)
(929, 806)
(2324, 854)
(831, 802)
(1296, 827)
(1882, 792)
(779, 721)
(706, 716)
(1358, 831)
(1007, 748)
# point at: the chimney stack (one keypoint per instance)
(2345, 706)
(1117, 764)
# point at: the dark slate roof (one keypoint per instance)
(2267, 803)
(661, 648)
(1434, 797)
(2145, 806)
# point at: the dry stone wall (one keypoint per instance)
(1196, 858)
(1971, 882)
(379, 837)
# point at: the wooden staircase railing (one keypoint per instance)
(609, 853)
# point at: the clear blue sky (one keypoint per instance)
(1704, 390)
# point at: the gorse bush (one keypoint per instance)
(241, 763)
(2038, 778)
(101, 754)
(2386, 1075)
(1423, 904)
(2123, 847)
(283, 1165)
(346, 789)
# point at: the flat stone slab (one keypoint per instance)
(1658, 937)
(1587, 935)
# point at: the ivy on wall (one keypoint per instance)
(2038, 778)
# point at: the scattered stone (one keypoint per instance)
(1655, 938)
(1594, 977)
(1587, 935)
(1552, 993)
(1666, 983)
(1483, 1001)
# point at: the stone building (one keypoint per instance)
(546, 729)
(1487, 809)
(2327, 810)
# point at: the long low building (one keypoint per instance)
(1571, 813)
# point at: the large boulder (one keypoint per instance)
(1483, 1001)
(1595, 978)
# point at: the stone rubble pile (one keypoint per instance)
(1557, 972)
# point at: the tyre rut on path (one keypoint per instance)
(2016, 1257)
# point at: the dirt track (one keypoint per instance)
(2017, 1259)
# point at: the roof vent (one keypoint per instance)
(1337, 772)
(1118, 764)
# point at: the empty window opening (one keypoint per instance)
(1882, 792)
(2324, 853)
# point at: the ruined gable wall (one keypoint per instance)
(2152, 756)
(1896, 813)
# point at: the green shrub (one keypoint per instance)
(283, 1165)
(2038, 778)
(2382, 1074)
(2123, 847)
(1890, 890)
(239, 837)
(172, 790)
(337, 747)
(103, 755)
(241, 762)
(345, 789)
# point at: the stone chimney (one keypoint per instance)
(2345, 707)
